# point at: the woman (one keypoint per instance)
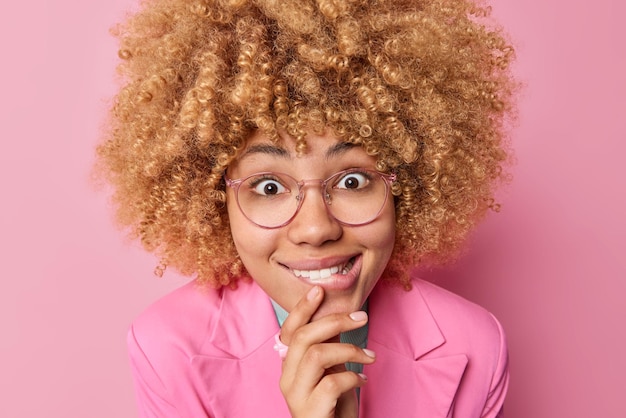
(298, 159)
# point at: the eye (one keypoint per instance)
(353, 180)
(267, 187)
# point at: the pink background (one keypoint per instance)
(551, 266)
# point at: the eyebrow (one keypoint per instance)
(278, 151)
(266, 149)
(338, 149)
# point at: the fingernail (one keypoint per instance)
(312, 293)
(358, 316)
(363, 376)
(369, 352)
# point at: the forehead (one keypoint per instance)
(324, 155)
(325, 146)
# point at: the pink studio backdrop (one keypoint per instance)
(551, 265)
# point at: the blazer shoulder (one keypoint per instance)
(452, 310)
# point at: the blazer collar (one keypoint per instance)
(407, 311)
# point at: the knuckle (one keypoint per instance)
(356, 351)
(314, 354)
(353, 352)
(330, 384)
(337, 321)
(298, 337)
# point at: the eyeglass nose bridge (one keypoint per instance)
(322, 184)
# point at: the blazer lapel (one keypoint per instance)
(238, 366)
(408, 378)
(246, 321)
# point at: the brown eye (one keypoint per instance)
(352, 181)
(267, 184)
(269, 188)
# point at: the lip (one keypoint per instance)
(318, 264)
(337, 281)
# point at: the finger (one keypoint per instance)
(318, 332)
(336, 388)
(328, 328)
(301, 314)
(324, 359)
(334, 396)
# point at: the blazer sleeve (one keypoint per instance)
(151, 393)
(500, 381)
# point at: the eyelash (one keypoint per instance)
(257, 180)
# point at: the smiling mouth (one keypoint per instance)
(321, 274)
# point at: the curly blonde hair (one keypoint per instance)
(422, 85)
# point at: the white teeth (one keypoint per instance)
(316, 275)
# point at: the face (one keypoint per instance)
(286, 261)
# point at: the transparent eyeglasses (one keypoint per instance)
(355, 196)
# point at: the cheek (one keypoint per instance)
(384, 232)
(253, 244)
(383, 237)
(378, 238)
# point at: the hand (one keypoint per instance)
(314, 380)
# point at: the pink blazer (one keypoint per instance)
(206, 353)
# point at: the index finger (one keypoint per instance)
(302, 313)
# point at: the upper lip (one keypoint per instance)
(318, 263)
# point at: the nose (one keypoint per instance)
(313, 224)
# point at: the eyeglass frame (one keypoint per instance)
(234, 184)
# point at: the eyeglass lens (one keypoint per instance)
(353, 197)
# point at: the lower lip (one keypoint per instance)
(338, 281)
